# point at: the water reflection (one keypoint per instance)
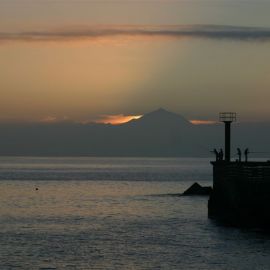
(118, 225)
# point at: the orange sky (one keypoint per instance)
(104, 58)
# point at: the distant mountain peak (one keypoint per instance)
(161, 110)
(165, 113)
(162, 116)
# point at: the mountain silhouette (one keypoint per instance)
(161, 118)
(158, 133)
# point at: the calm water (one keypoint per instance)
(116, 213)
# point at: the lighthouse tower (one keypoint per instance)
(227, 118)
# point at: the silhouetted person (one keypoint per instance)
(216, 154)
(221, 155)
(239, 153)
(246, 154)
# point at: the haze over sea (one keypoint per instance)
(116, 213)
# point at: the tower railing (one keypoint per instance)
(227, 117)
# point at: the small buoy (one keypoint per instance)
(36, 188)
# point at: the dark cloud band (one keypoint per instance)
(173, 31)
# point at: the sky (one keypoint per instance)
(83, 61)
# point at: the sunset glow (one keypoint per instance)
(117, 119)
(81, 59)
(112, 126)
(203, 122)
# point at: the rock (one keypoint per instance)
(197, 189)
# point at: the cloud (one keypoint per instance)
(216, 32)
(203, 122)
(116, 119)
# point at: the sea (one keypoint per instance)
(116, 213)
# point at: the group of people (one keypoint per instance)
(239, 154)
(219, 154)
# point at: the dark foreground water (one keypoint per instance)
(97, 213)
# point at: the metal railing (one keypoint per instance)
(227, 117)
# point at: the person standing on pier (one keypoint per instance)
(239, 153)
(221, 154)
(216, 154)
(246, 154)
